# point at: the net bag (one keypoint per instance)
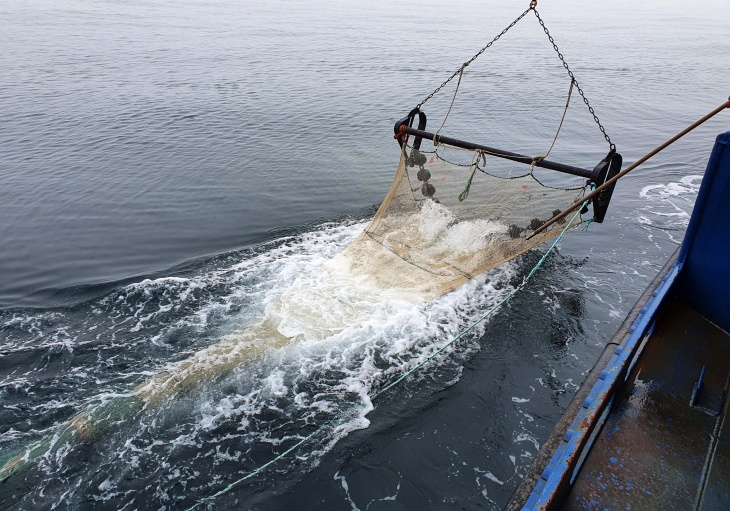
(443, 223)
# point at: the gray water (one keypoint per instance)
(168, 170)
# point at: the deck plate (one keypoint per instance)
(656, 451)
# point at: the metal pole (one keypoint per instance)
(621, 174)
(560, 167)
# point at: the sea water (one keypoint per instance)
(170, 171)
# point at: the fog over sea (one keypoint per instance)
(169, 169)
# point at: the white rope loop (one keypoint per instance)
(458, 83)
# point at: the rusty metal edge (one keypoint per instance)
(524, 490)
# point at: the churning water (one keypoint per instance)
(169, 171)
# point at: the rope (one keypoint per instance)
(458, 83)
(475, 165)
(484, 316)
(593, 218)
(490, 43)
(463, 195)
(588, 224)
(611, 145)
(533, 8)
(404, 376)
(537, 159)
(631, 167)
(258, 470)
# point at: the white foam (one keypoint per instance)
(493, 478)
(445, 239)
(354, 337)
(687, 185)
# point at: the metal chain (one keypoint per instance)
(555, 47)
(570, 73)
(419, 105)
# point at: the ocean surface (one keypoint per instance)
(169, 169)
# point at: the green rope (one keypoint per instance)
(590, 220)
(463, 195)
(483, 316)
(259, 469)
(407, 373)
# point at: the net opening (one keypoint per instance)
(608, 167)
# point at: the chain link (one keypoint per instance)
(419, 105)
(555, 47)
(575, 82)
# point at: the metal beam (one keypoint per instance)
(546, 164)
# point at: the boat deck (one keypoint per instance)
(666, 443)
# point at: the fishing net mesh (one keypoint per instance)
(443, 223)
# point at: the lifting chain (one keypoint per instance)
(456, 73)
(575, 82)
(533, 5)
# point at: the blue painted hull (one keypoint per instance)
(649, 429)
